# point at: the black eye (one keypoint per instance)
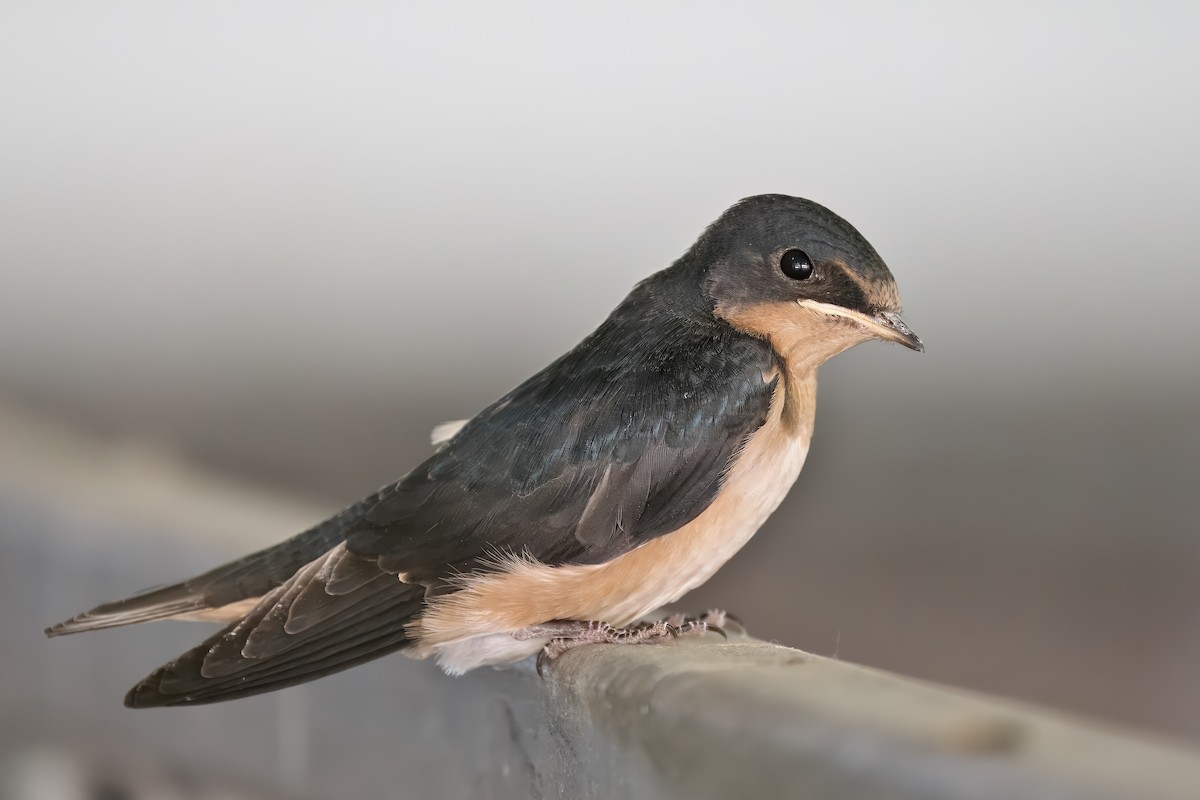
(796, 265)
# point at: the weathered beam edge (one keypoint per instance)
(748, 718)
(694, 718)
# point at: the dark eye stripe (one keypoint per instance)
(842, 289)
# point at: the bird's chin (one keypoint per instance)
(886, 325)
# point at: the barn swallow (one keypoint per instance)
(604, 487)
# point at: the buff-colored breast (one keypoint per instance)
(524, 592)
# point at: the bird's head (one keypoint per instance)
(793, 272)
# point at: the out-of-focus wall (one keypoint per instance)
(290, 238)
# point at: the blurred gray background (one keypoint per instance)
(287, 239)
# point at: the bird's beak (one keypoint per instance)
(882, 324)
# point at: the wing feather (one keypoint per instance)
(267, 649)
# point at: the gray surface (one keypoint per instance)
(747, 718)
(687, 720)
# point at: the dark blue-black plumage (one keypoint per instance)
(621, 440)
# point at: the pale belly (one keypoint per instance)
(473, 626)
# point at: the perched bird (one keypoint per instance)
(607, 485)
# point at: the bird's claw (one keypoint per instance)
(713, 620)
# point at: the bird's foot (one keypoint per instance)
(567, 635)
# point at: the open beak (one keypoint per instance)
(883, 324)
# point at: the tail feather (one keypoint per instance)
(244, 579)
(152, 604)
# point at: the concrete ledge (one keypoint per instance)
(82, 521)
